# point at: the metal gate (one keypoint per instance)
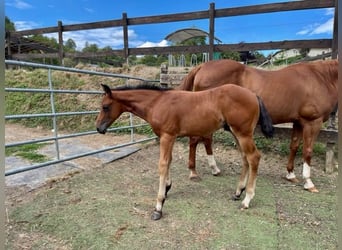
(54, 115)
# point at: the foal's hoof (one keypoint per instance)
(236, 197)
(195, 178)
(312, 190)
(243, 207)
(216, 172)
(156, 215)
(293, 180)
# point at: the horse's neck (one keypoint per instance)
(138, 102)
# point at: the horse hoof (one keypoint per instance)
(293, 180)
(236, 197)
(195, 178)
(216, 173)
(156, 215)
(313, 190)
(243, 207)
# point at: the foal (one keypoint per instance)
(173, 113)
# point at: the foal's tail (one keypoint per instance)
(265, 120)
(188, 81)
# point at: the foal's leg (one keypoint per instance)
(166, 145)
(193, 142)
(310, 133)
(297, 133)
(208, 143)
(252, 156)
(244, 173)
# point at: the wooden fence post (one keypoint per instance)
(211, 30)
(60, 43)
(125, 36)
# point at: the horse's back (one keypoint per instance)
(215, 73)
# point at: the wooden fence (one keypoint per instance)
(211, 14)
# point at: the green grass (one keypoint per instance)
(27, 151)
(109, 208)
(34, 103)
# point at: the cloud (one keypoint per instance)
(320, 28)
(112, 37)
(162, 43)
(89, 10)
(19, 4)
(25, 25)
(106, 37)
(326, 27)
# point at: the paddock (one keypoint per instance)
(108, 206)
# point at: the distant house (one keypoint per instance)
(318, 52)
(284, 54)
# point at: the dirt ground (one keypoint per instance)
(272, 167)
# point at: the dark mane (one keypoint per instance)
(143, 86)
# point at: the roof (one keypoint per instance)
(185, 34)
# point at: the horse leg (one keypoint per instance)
(310, 133)
(294, 145)
(208, 143)
(166, 145)
(244, 173)
(193, 142)
(251, 158)
(242, 179)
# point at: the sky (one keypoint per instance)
(290, 25)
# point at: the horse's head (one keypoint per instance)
(110, 111)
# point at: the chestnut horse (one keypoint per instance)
(303, 94)
(173, 113)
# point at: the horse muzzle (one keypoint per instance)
(101, 130)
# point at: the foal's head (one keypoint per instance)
(110, 111)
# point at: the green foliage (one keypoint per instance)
(289, 60)
(151, 60)
(28, 151)
(9, 25)
(233, 55)
(70, 45)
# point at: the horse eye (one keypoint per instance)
(105, 108)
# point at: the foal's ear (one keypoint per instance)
(107, 90)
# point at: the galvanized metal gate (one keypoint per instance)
(54, 115)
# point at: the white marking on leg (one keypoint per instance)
(213, 165)
(161, 193)
(247, 200)
(290, 175)
(306, 176)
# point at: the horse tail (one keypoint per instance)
(188, 81)
(265, 120)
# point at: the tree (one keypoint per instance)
(90, 47)
(9, 25)
(70, 45)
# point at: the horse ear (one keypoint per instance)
(107, 90)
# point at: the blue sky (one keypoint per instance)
(30, 14)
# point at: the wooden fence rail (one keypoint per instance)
(210, 14)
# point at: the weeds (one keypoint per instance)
(28, 151)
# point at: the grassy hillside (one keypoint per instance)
(34, 103)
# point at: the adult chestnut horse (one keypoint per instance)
(173, 113)
(303, 94)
